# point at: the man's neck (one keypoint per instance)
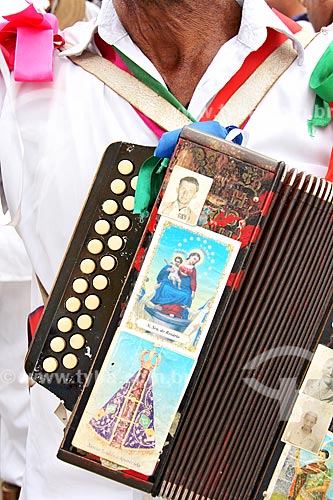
(181, 38)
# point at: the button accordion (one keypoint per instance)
(181, 387)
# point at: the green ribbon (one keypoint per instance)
(152, 171)
(149, 182)
(154, 84)
(321, 82)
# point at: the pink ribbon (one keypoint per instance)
(27, 41)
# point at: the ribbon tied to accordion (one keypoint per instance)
(153, 169)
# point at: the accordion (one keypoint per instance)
(179, 341)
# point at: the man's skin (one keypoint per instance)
(320, 12)
(181, 38)
(186, 192)
(290, 8)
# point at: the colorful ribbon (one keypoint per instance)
(153, 169)
(321, 82)
(123, 62)
(149, 182)
(27, 40)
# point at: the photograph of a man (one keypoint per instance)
(180, 209)
(322, 388)
(303, 433)
(185, 195)
(308, 423)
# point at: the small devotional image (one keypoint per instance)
(185, 195)
(301, 475)
(308, 423)
(180, 284)
(133, 403)
(318, 382)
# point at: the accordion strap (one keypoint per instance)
(133, 91)
(247, 97)
(237, 109)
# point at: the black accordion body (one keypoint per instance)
(241, 358)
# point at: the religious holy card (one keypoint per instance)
(180, 284)
(133, 403)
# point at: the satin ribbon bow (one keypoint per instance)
(27, 40)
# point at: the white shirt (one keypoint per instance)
(64, 128)
(14, 262)
(62, 146)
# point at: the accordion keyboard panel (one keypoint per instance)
(92, 277)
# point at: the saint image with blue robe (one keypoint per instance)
(172, 299)
(127, 418)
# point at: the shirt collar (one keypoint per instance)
(109, 25)
(257, 16)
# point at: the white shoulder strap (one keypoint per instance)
(245, 100)
(133, 90)
(235, 111)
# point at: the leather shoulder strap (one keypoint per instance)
(247, 97)
(235, 111)
(135, 92)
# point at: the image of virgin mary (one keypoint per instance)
(172, 299)
(127, 418)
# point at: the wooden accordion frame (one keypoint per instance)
(273, 311)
